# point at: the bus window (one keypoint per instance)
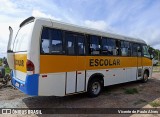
(145, 51)
(136, 50)
(108, 46)
(23, 38)
(125, 48)
(94, 48)
(104, 47)
(70, 44)
(51, 42)
(81, 44)
(112, 46)
(117, 49)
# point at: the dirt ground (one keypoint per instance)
(111, 97)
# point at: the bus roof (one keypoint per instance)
(85, 30)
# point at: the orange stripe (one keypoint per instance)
(62, 63)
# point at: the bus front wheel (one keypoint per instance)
(94, 88)
(145, 77)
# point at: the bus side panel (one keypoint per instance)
(52, 84)
(123, 71)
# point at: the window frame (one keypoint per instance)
(129, 54)
(84, 44)
(63, 52)
(106, 38)
(88, 45)
(66, 45)
(137, 50)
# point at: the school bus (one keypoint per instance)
(52, 58)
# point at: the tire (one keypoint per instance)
(145, 77)
(94, 88)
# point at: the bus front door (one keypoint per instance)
(139, 62)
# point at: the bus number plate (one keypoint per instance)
(17, 84)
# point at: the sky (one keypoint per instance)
(134, 18)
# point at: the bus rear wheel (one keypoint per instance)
(94, 88)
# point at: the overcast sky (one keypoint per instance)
(135, 18)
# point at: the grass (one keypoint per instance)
(130, 91)
(8, 70)
(155, 103)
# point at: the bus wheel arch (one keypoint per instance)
(95, 84)
(145, 75)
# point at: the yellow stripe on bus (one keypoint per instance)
(62, 63)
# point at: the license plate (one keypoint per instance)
(17, 84)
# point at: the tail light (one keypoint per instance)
(30, 66)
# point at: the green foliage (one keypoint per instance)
(155, 103)
(131, 91)
(155, 52)
(8, 70)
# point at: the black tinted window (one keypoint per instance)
(51, 41)
(125, 48)
(136, 50)
(70, 43)
(108, 46)
(81, 44)
(94, 45)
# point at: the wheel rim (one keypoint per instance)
(96, 88)
(145, 77)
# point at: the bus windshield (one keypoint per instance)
(145, 51)
(21, 42)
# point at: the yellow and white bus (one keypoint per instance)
(50, 58)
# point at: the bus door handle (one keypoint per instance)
(79, 72)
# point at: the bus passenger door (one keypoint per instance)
(139, 61)
(81, 63)
(75, 78)
(137, 51)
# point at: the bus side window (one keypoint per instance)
(56, 44)
(117, 49)
(111, 44)
(51, 41)
(94, 45)
(108, 46)
(105, 50)
(139, 49)
(70, 44)
(136, 50)
(45, 41)
(81, 44)
(125, 48)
